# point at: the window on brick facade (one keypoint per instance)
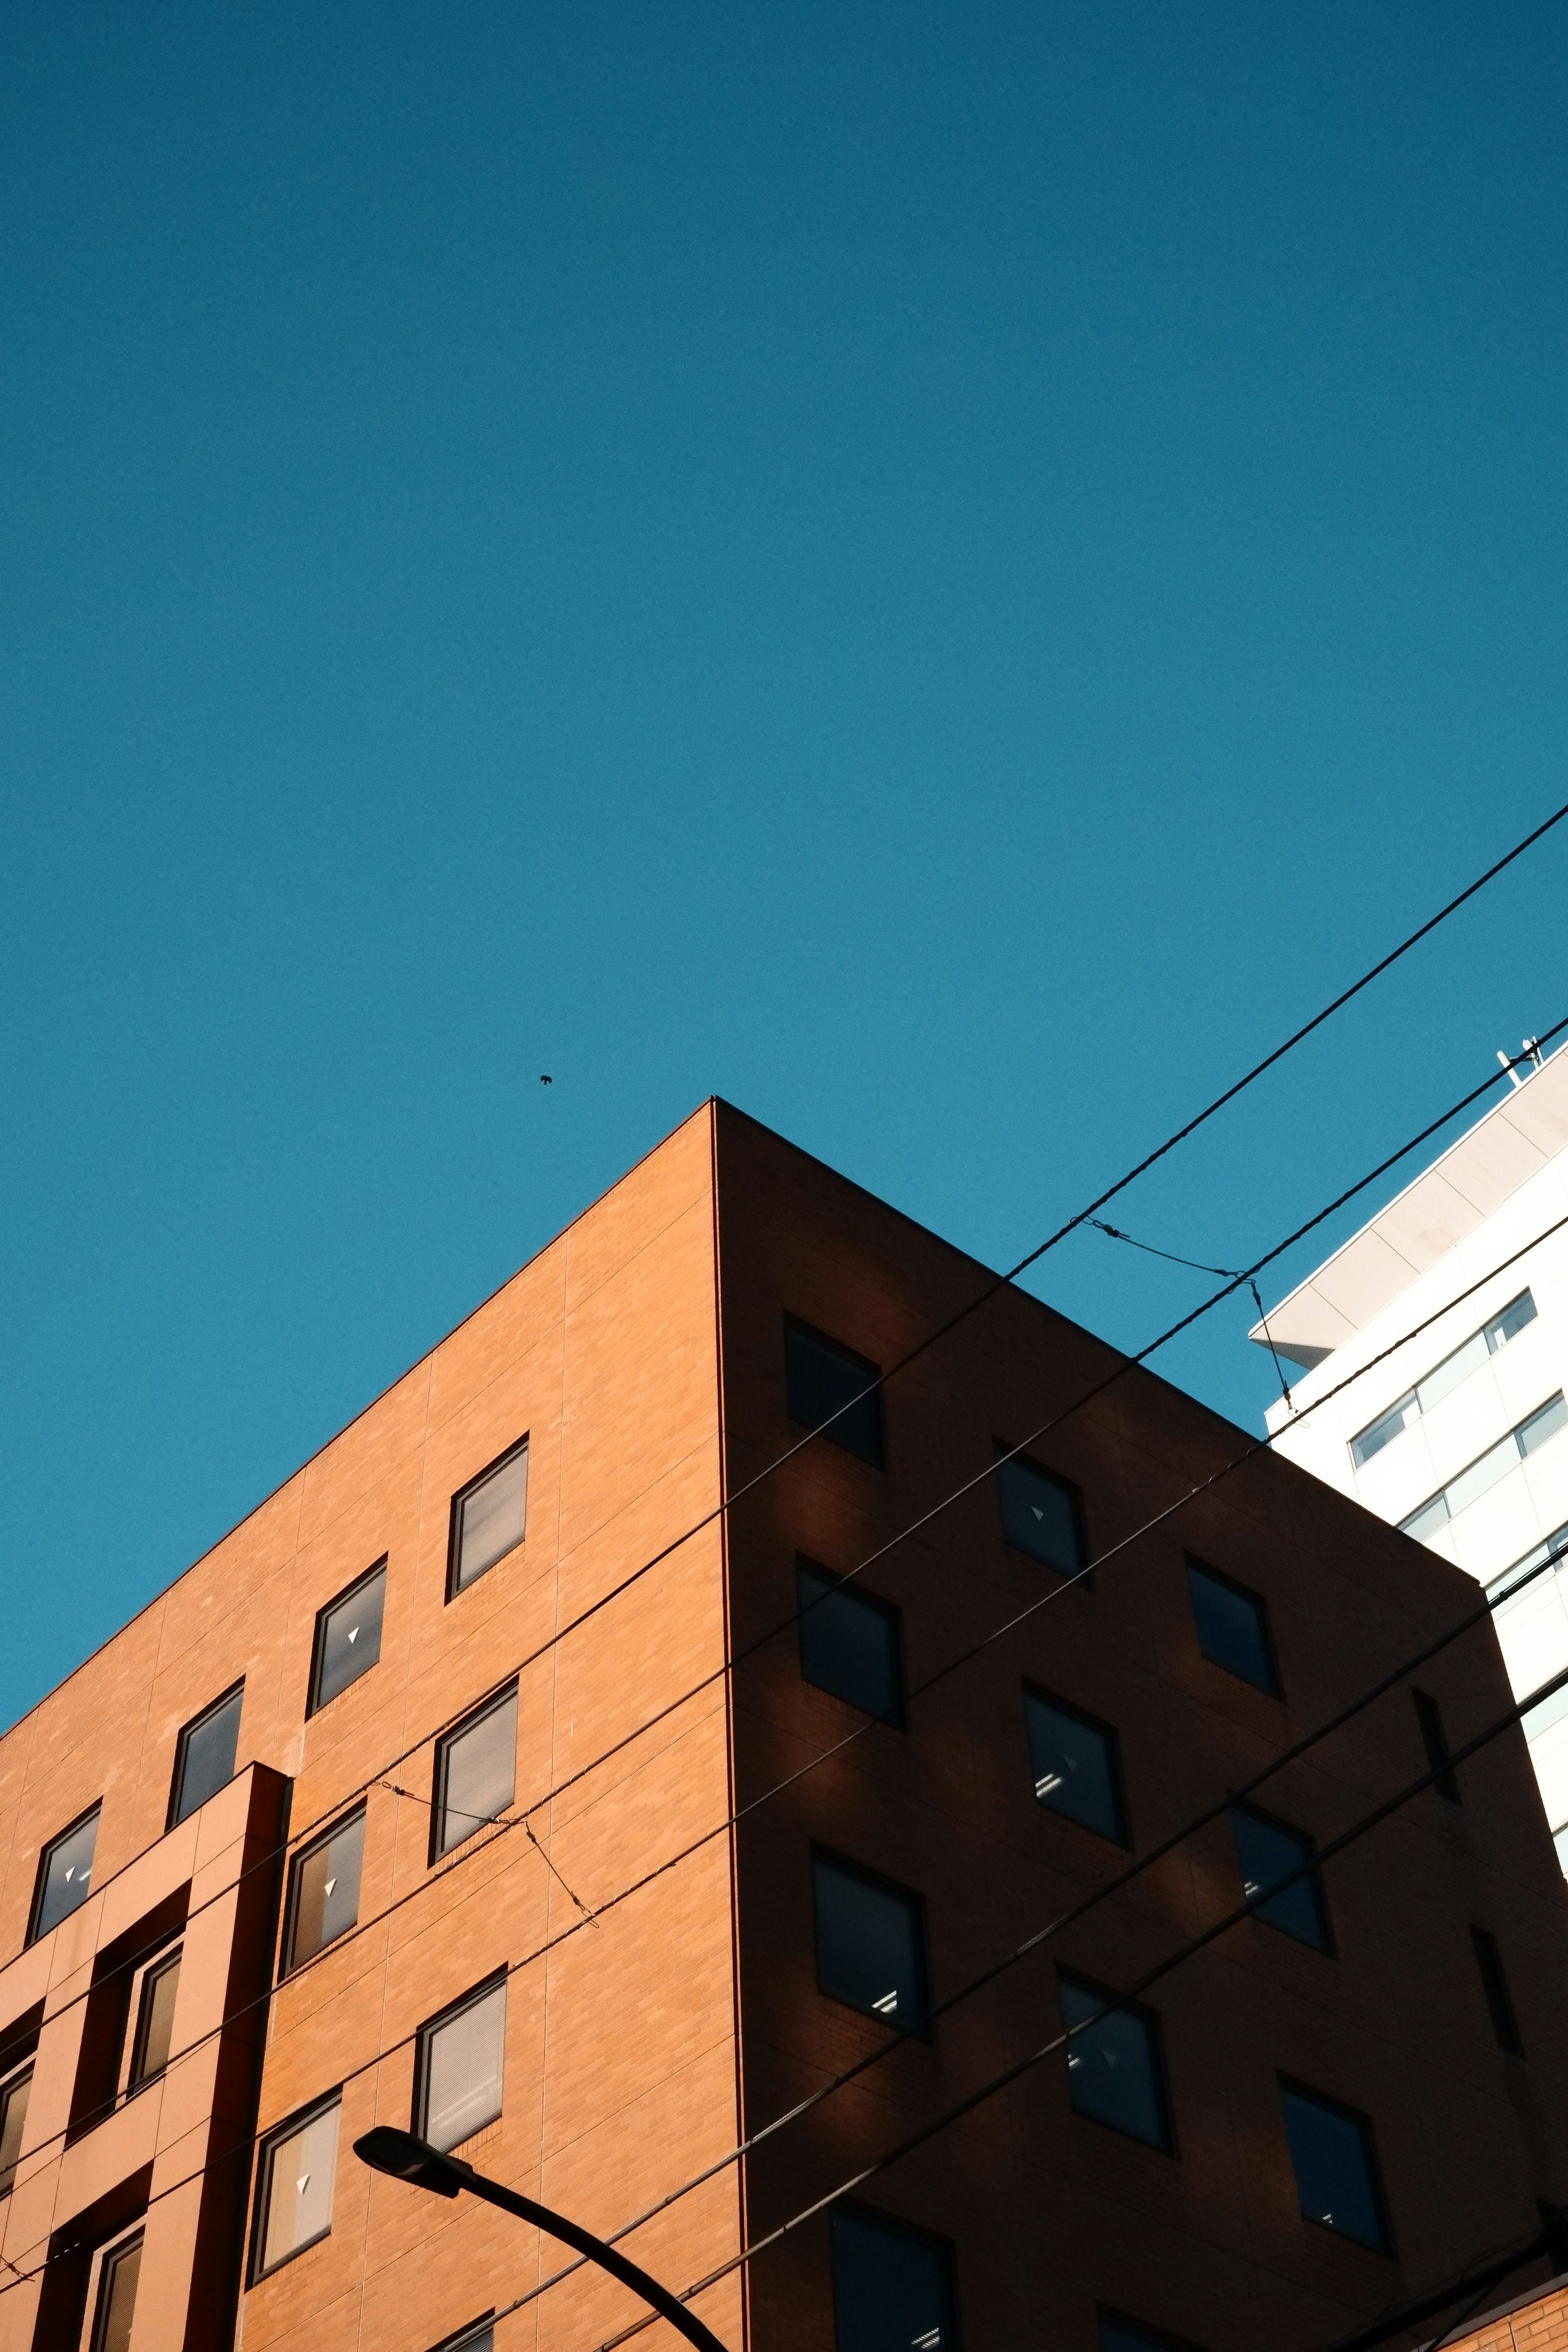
(1074, 1764)
(893, 2286)
(348, 1637)
(460, 2068)
(111, 2292)
(478, 2336)
(324, 1891)
(476, 1773)
(870, 1943)
(205, 1760)
(851, 1643)
(16, 2089)
(1435, 1740)
(489, 1518)
(827, 1382)
(65, 1874)
(1233, 1627)
(1042, 1515)
(1116, 2073)
(1500, 2001)
(1113, 2333)
(295, 2177)
(154, 1989)
(1268, 1851)
(1335, 2167)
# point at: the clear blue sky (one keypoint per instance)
(945, 573)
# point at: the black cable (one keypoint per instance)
(1432, 2306)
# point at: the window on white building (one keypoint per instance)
(1472, 1482)
(1443, 1379)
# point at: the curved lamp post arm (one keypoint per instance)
(404, 2158)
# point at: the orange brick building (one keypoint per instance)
(364, 1820)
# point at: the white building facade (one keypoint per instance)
(1461, 1435)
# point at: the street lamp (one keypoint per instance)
(404, 2158)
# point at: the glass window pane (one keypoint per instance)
(1452, 1372)
(206, 1754)
(117, 2278)
(1114, 2335)
(1039, 1515)
(1113, 2068)
(348, 1642)
(1494, 1984)
(1424, 1524)
(478, 1776)
(464, 2059)
(1482, 1475)
(301, 2167)
(821, 1378)
(155, 2020)
(326, 1890)
(851, 1645)
(1331, 2152)
(1393, 1425)
(67, 1878)
(1534, 1433)
(870, 1947)
(492, 1517)
(1233, 1631)
(1560, 1842)
(14, 2097)
(1074, 1764)
(1510, 1322)
(1266, 1851)
(892, 2288)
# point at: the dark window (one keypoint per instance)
(65, 1874)
(1073, 1759)
(324, 1891)
(1494, 1984)
(204, 1763)
(1435, 1740)
(155, 1998)
(1041, 1515)
(870, 1943)
(348, 1637)
(1233, 1627)
(1335, 2167)
(489, 1518)
(827, 1383)
(114, 2306)
(1115, 2334)
(15, 2092)
(476, 1773)
(1267, 1852)
(460, 2068)
(1115, 2074)
(892, 2286)
(294, 2186)
(480, 2336)
(851, 1643)
(1554, 2228)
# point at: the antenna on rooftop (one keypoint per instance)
(1530, 1050)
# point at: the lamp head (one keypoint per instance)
(404, 2158)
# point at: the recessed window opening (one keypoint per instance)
(476, 1773)
(870, 1943)
(1116, 2334)
(1115, 2068)
(203, 1762)
(489, 1518)
(1443, 1379)
(478, 2336)
(1233, 1627)
(825, 1383)
(1268, 1851)
(1500, 2001)
(324, 1891)
(65, 1876)
(294, 2186)
(154, 1989)
(348, 1637)
(1435, 1739)
(16, 2090)
(893, 2286)
(851, 1643)
(1074, 1765)
(1336, 2166)
(1504, 1590)
(460, 2068)
(1042, 1515)
(111, 2292)
(1527, 1437)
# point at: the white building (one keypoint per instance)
(1462, 1436)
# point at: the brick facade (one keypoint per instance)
(641, 1354)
